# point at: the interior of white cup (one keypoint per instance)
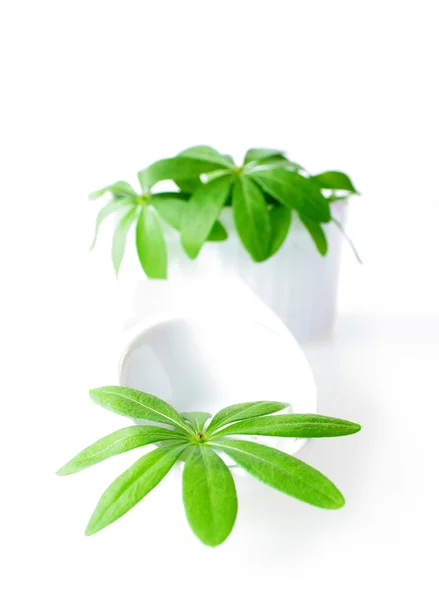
(205, 364)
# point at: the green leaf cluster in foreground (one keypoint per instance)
(264, 193)
(209, 493)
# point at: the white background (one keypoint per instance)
(91, 92)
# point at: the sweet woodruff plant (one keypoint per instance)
(198, 441)
(265, 194)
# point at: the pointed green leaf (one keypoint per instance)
(260, 154)
(267, 164)
(208, 154)
(133, 485)
(188, 185)
(108, 209)
(151, 246)
(280, 220)
(202, 211)
(117, 443)
(244, 410)
(296, 426)
(251, 218)
(145, 176)
(179, 168)
(168, 195)
(138, 405)
(283, 472)
(229, 158)
(171, 211)
(209, 496)
(294, 191)
(218, 233)
(334, 180)
(120, 188)
(215, 174)
(318, 235)
(120, 238)
(196, 419)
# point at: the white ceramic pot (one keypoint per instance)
(298, 284)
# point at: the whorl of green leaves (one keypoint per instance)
(198, 440)
(263, 194)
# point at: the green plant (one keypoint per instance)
(264, 194)
(209, 493)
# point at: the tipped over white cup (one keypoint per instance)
(202, 348)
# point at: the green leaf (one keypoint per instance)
(280, 221)
(202, 211)
(334, 180)
(318, 235)
(107, 210)
(209, 496)
(244, 410)
(284, 473)
(267, 164)
(208, 154)
(174, 195)
(120, 188)
(215, 174)
(261, 154)
(138, 405)
(196, 419)
(151, 246)
(180, 168)
(297, 426)
(251, 218)
(188, 185)
(218, 233)
(117, 443)
(269, 159)
(230, 159)
(171, 210)
(133, 485)
(294, 191)
(120, 238)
